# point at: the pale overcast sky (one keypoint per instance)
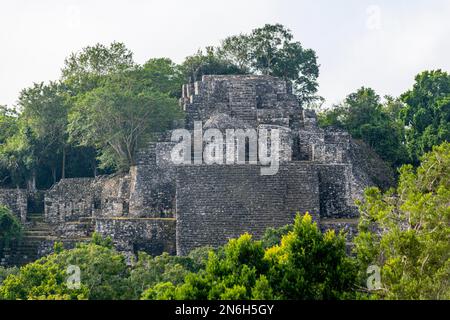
(381, 44)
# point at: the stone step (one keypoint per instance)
(36, 233)
(42, 228)
(41, 224)
(35, 215)
(39, 229)
(33, 229)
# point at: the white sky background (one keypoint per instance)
(379, 44)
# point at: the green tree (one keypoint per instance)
(230, 273)
(208, 63)
(309, 264)
(163, 75)
(150, 271)
(8, 128)
(8, 123)
(160, 291)
(272, 236)
(406, 231)
(104, 271)
(119, 117)
(20, 156)
(270, 50)
(364, 116)
(427, 112)
(45, 110)
(236, 49)
(5, 272)
(103, 275)
(34, 147)
(43, 279)
(84, 70)
(10, 228)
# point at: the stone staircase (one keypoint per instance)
(39, 237)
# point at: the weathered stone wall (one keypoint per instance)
(333, 148)
(21, 253)
(254, 99)
(114, 195)
(71, 199)
(335, 191)
(152, 235)
(78, 198)
(48, 246)
(285, 141)
(368, 168)
(306, 136)
(16, 201)
(152, 191)
(80, 229)
(218, 202)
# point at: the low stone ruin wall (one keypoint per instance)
(152, 192)
(152, 235)
(16, 201)
(335, 191)
(81, 198)
(70, 200)
(349, 227)
(114, 196)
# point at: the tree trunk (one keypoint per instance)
(32, 181)
(63, 166)
(95, 168)
(54, 174)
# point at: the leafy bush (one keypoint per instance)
(305, 265)
(103, 275)
(43, 279)
(5, 272)
(406, 231)
(273, 236)
(10, 227)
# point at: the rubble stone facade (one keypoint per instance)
(16, 201)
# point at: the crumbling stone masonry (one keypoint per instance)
(152, 192)
(160, 207)
(152, 235)
(16, 200)
(102, 204)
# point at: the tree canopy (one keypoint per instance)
(399, 129)
(406, 231)
(271, 50)
(119, 117)
(427, 112)
(364, 116)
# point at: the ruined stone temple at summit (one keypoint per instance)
(159, 206)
